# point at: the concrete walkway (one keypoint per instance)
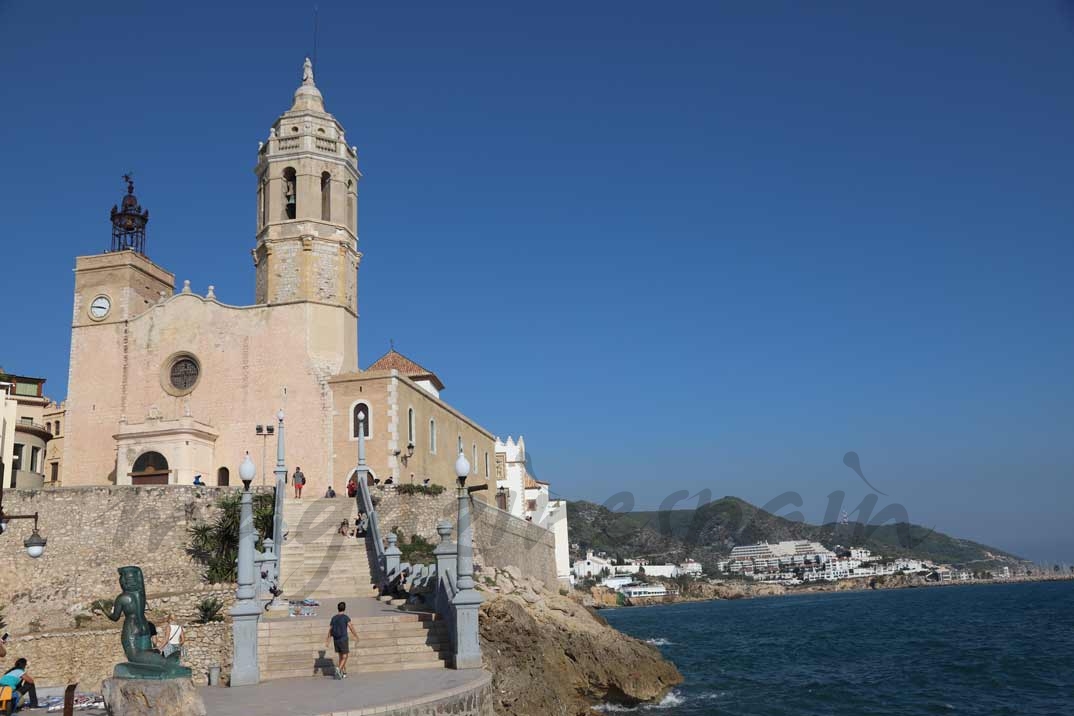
(357, 695)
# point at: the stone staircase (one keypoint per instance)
(295, 647)
(317, 561)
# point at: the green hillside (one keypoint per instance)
(711, 531)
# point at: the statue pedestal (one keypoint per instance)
(139, 697)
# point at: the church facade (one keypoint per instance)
(167, 384)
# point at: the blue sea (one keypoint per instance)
(987, 649)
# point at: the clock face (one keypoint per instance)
(100, 307)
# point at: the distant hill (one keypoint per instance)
(711, 531)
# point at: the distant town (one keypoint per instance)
(787, 563)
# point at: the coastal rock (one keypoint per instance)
(557, 657)
(135, 697)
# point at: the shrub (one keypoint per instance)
(416, 550)
(215, 544)
(209, 611)
(411, 489)
(104, 606)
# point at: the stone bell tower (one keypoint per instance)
(307, 208)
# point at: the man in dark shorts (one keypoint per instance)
(337, 634)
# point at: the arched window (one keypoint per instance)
(459, 451)
(474, 455)
(290, 193)
(486, 464)
(262, 203)
(326, 196)
(410, 426)
(350, 220)
(360, 415)
(432, 436)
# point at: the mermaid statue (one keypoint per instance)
(143, 661)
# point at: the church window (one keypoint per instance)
(290, 199)
(361, 417)
(473, 455)
(326, 196)
(57, 427)
(460, 445)
(262, 204)
(486, 464)
(183, 374)
(432, 436)
(350, 221)
(410, 426)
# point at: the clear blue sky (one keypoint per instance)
(686, 245)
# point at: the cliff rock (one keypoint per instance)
(554, 657)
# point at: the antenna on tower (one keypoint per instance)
(315, 23)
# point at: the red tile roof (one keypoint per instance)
(397, 361)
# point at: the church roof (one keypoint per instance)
(531, 484)
(394, 360)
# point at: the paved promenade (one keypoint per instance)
(357, 695)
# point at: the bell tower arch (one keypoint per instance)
(307, 207)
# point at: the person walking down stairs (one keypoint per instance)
(337, 634)
(298, 480)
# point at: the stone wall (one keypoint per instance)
(91, 532)
(500, 539)
(88, 657)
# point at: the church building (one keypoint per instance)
(165, 385)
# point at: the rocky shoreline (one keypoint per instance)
(549, 654)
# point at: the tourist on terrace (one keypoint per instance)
(21, 683)
(299, 481)
(329, 492)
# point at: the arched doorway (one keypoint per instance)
(223, 477)
(151, 468)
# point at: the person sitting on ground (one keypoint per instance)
(329, 492)
(3, 645)
(361, 525)
(198, 482)
(172, 639)
(21, 683)
(343, 528)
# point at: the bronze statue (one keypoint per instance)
(143, 661)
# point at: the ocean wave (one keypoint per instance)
(671, 700)
(658, 641)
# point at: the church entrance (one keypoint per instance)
(151, 468)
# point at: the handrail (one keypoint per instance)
(366, 506)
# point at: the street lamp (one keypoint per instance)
(263, 432)
(35, 543)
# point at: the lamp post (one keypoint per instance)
(466, 600)
(35, 543)
(247, 609)
(263, 432)
(280, 472)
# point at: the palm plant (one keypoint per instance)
(215, 544)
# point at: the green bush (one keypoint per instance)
(104, 606)
(209, 611)
(416, 550)
(411, 489)
(215, 545)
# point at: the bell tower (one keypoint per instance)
(307, 207)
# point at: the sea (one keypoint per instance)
(973, 649)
